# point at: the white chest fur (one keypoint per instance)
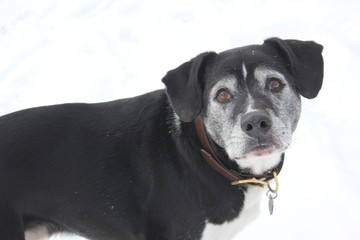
(229, 230)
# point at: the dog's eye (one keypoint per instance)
(274, 83)
(223, 94)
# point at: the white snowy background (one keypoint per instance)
(99, 50)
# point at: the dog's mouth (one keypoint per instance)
(261, 150)
(258, 151)
(260, 158)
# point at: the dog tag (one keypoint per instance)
(271, 197)
(271, 205)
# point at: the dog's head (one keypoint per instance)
(248, 97)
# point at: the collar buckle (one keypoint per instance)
(260, 182)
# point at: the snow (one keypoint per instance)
(90, 51)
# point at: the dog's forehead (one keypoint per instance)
(243, 62)
(251, 56)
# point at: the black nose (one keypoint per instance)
(256, 124)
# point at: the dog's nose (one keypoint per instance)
(256, 124)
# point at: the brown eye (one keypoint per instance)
(223, 94)
(274, 83)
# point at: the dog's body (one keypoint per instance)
(132, 168)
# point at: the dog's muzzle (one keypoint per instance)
(212, 159)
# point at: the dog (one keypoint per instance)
(170, 164)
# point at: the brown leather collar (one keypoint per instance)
(209, 155)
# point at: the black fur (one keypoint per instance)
(123, 169)
(305, 63)
(184, 86)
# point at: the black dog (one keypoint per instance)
(139, 168)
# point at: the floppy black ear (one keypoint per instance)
(305, 63)
(184, 87)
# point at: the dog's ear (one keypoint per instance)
(184, 86)
(305, 63)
